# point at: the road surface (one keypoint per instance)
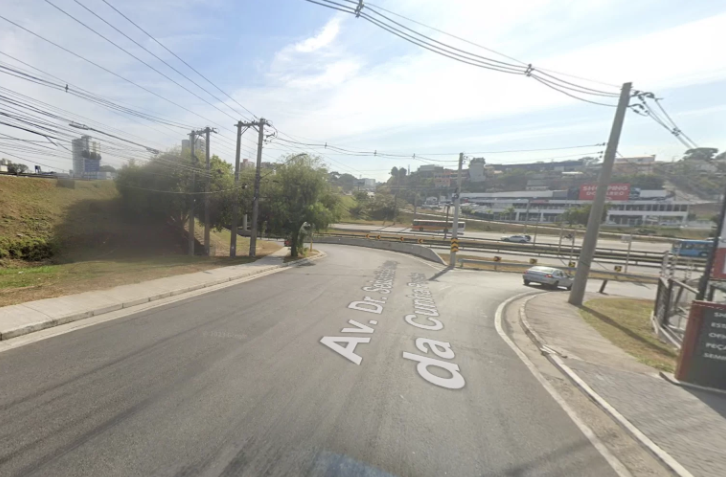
(290, 375)
(638, 246)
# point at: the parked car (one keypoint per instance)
(516, 238)
(548, 276)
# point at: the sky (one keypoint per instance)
(325, 77)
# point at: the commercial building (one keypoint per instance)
(650, 207)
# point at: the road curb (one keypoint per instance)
(102, 310)
(662, 456)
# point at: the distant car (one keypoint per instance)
(548, 276)
(516, 238)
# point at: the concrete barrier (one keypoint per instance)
(409, 248)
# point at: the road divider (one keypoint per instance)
(516, 266)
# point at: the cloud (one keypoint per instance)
(322, 39)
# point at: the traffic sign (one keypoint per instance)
(572, 264)
(497, 258)
(618, 268)
(533, 261)
(454, 245)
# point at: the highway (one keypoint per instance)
(364, 363)
(639, 246)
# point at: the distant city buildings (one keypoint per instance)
(634, 165)
(199, 144)
(86, 158)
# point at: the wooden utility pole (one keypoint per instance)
(256, 199)
(589, 243)
(235, 205)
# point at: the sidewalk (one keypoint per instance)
(687, 426)
(28, 317)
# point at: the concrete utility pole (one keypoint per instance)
(207, 218)
(589, 243)
(457, 204)
(192, 240)
(235, 206)
(256, 199)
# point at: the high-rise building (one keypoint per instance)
(199, 144)
(86, 157)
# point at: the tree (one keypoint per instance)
(107, 168)
(13, 167)
(700, 153)
(580, 215)
(301, 194)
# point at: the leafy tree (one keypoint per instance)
(301, 194)
(642, 181)
(13, 167)
(361, 196)
(700, 153)
(580, 215)
(107, 168)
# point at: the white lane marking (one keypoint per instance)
(614, 462)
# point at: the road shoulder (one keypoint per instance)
(624, 454)
(685, 431)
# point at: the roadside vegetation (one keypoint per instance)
(626, 323)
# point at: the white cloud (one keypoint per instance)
(322, 39)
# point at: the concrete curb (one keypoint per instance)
(661, 455)
(101, 310)
(672, 379)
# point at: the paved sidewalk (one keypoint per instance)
(28, 317)
(687, 424)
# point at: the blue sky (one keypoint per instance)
(324, 76)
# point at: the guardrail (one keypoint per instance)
(499, 246)
(613, 275)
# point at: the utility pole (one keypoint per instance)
(235, 206)
(415, 205)
(589, 243)
(256, 199)
(457, 204)
(192, 219)
(207, 217)
(526, 215)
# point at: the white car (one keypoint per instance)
(516, 238)
(548, 276)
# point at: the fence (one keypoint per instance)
(672, 306)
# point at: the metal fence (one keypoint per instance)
(672, 306)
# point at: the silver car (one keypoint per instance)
(547, 276)
(516, 238)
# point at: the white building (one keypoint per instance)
(476, 172)
(545, 206)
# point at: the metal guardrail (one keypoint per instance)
(613, 275)
(499, 246)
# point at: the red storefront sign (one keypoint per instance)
(617, 191)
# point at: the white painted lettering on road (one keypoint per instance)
(348, 351)
(359, 328)
(437, 325)
(456, 381)
(440, 348)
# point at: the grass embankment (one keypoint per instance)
(626, 323)
(95, 244)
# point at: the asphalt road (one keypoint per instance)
(638, 246)
(238, 382)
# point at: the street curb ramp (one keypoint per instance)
(553, 357)
(409, 248)
(107, 307)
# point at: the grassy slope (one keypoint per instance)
(626, 323)
(35, 207)
(101, 247)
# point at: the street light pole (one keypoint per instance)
(457, 205)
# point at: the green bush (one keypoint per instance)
(31, 249)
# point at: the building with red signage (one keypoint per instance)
(626, 206)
